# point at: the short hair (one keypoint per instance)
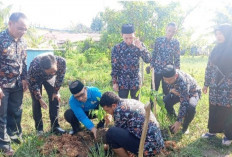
(172, 24)
(169, 71)
(47, 61)
(14, 17)
(109, 98)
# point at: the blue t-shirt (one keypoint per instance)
(79, 108)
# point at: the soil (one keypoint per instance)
(78, 145)
(72, 146)
(170, 147)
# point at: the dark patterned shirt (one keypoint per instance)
(13, 67)
(36, 76)
(187, 87)
(220, 85)
(165, 52)
(125, 65)
(130, 114)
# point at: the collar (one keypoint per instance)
(11, 37)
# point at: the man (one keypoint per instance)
(125, 63)
(83, 100)
(129, 116)
(13, 72)
(183, 89)
(47, 70)
(166, 51)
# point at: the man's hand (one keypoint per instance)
(174, 92)
(43, 104)
(1, 93)
(204, 89)
(115, 87)
(25, 85)
(94, 131)
(175, 127)
(138, 44)
(56, 96)
(108, 119)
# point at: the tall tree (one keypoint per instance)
(4, 13)
(96, 24)
(224, 15)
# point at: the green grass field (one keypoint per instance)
(98, 74)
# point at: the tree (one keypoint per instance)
(4, 13)
(224, 15)
(97, 24)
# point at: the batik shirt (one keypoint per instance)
(125, 65)
(220, 85)
(187, 87)
(36, 76)
(130, 115)
(165, 52)
(13, 67)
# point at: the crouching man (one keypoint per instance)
(83, 100)
(129, 117)
(184, 89)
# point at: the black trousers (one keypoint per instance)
(123, 93)
(170, 100)
(158, 78)
(10, 115)
(122, 138)
(75, 123)
(54, 107)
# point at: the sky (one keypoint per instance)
(61, 14)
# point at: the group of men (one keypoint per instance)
(128, 114)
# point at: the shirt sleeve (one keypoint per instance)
(80, 114)
(60, 74)
(34, 81)
(177, 55)
(24, 69)
(208, 73)
(115, 65)
(154, 54)
(145, 54)
(184, 102)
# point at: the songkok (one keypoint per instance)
(169, 71)
(76, 86)
(128, 29)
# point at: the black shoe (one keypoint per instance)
(72, 132)
(16, 139)
(58, 131)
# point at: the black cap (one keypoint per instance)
(76, 86)
(128, 29)
(169, 71)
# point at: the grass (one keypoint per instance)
(98, 74)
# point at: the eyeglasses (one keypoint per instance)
(80, 95)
